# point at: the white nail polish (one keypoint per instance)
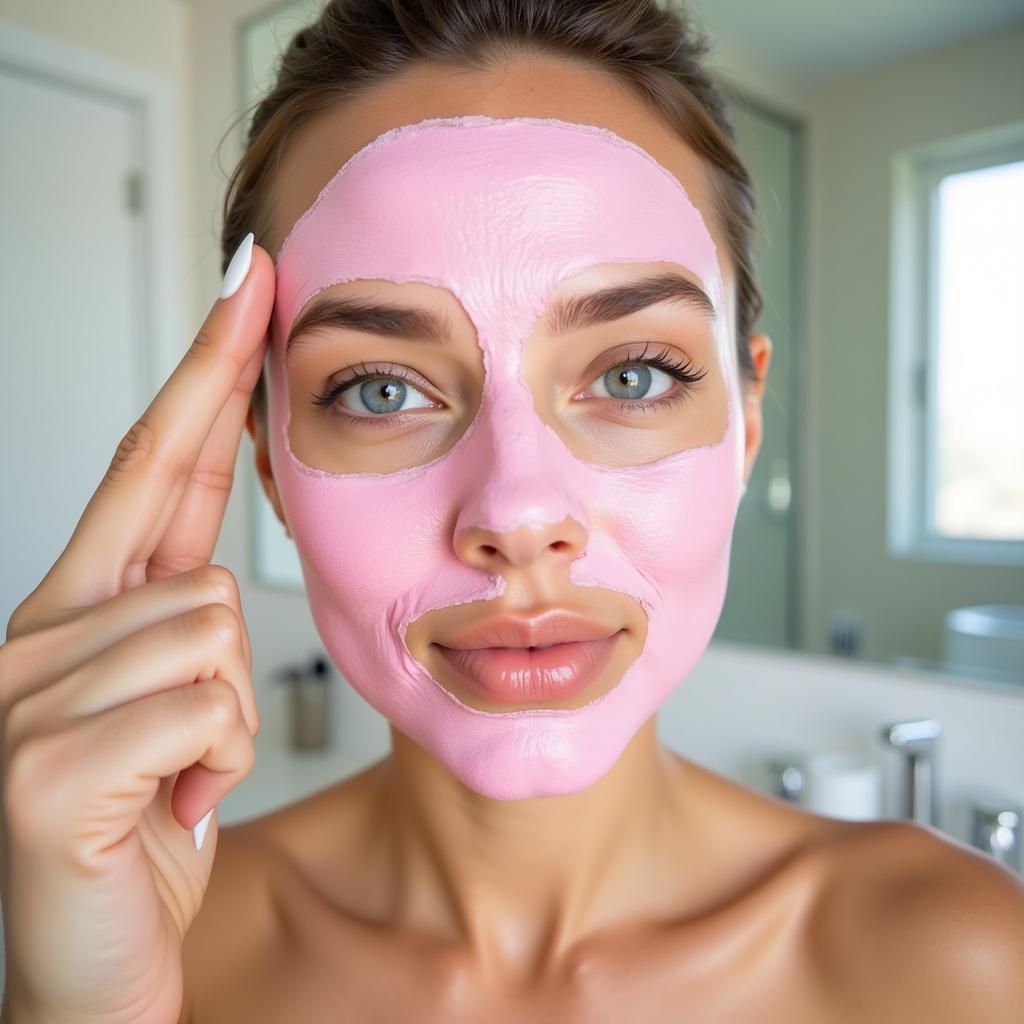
(238, 267)
(199, 832)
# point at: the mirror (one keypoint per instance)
(884, 519)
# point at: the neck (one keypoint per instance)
(522, 882)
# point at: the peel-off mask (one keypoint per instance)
(499, 211)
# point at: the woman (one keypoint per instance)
(511, 402)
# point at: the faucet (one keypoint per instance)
(917, 741)
(996, 829)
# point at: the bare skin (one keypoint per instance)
(662, 893)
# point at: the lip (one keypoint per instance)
(553, 627)
(525, 660)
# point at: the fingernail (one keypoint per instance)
(199, 832)
(237, 268)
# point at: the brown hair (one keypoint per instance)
(657, 53)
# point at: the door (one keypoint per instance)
(72, 350)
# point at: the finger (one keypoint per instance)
(131, 508)
(203, 643)
(89, 782)
(191, 535)
(51, 650)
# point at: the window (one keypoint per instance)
(957, 351)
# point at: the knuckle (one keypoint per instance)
(205, 347)
(219, 701)
(173, 565)
(218, 584)
(7, 683)
(216, 621)
(213, 479)
(142, 446)
(25, 767)
(17, 717)
(171, 464)
(17, 622)
(24, 619)
(202, 341)
(135, 448)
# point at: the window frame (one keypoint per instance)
(913, 349)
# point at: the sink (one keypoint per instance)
(986, 636)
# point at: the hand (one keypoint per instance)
(126, 701)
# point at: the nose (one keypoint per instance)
(523, 496)
(550, 544)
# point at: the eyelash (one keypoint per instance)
(681, 371)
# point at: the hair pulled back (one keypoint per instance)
(354, 44)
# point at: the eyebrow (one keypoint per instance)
(373, 318)
(566, 314)
(618, 301)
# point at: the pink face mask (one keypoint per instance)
(499, 211)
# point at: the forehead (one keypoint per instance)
(498, 211)
(525, 87)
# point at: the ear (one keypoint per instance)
(760, 346)
(256, 425)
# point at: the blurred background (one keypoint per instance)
(877, 575)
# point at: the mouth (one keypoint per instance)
(516, 661)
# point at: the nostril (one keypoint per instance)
(489, 549)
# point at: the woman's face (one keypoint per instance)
(502, 383)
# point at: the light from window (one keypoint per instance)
(980, 366)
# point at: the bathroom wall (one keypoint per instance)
(856, 125)
(742, 704)
(152, 34)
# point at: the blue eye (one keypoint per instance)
(378, 399)
(630, 380)
(381, 395)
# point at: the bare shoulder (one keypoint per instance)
(235, 920)
(260, 865)
(913, 924)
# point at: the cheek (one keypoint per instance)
(383, 535)
(363, 534)
(372, 538)
(358, 539)
(674, 521)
